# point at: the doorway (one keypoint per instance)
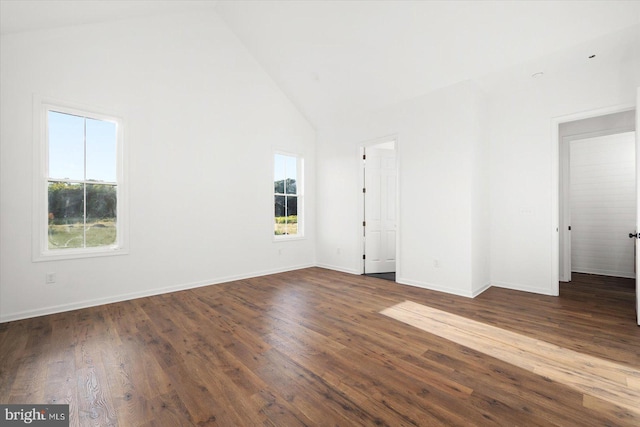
(379, 213)
(597, 195)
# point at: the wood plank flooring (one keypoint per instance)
(595, 377)
(312, 347)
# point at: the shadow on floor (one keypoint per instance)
(386, 276)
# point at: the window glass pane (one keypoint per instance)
(280, 206)
(292, 228)
(278, 186)
(280, 218)
(66, 146)
(101, 202)
(101, 150)
(101, 215)
(66, 212)
(292, 206)
(279, 171)
(290, 167)
(292, 215)
(291, 186)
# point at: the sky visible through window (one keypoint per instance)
(285, 167)
(66, 148)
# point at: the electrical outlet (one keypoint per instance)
(338, 251)
(436, 263)
(50, 278)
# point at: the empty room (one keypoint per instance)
(310, 213)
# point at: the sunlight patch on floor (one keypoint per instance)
(609, 381)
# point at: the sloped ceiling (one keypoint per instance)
(28, 15)
(336, 58)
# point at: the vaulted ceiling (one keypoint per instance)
(334, 58)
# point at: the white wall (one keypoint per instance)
(202, 120)
(478, 170)
(480, 200)
(442, 175)
(603, 204)
(523, 157)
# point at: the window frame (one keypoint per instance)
(40, 243)
(300, 196)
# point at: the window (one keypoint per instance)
(288, 196)
(80, 190)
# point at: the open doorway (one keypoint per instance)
(379, 213)
(597, 195)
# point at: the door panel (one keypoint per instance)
(391, 246)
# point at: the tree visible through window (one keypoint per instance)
(287, 195)
(82, 184)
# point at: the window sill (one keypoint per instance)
(278, 239)
(68, 254)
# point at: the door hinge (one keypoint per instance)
(364, 157)
(364, 256)
(364, 223)
(569, 228)
(364, 190)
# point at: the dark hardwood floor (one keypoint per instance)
(311, 347)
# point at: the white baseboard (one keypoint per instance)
(336, 268)
(147, 293)
(481, 290)
(524, 288)
(433, 287)
(180, 287)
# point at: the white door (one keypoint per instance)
(380, 209)
(637, 202)
(603, 204)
